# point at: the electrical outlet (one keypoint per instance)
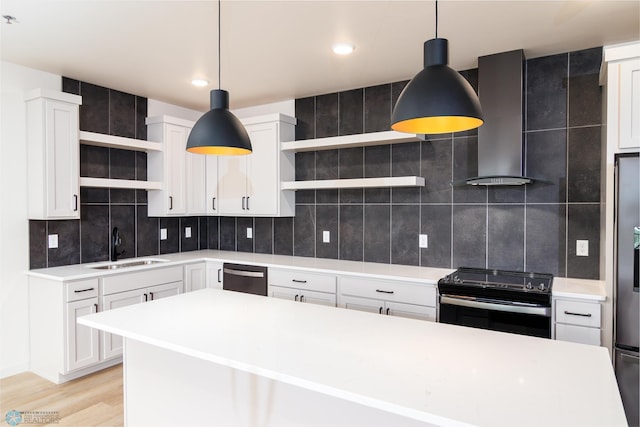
(326, 236)
(249, 233)
(163, 234)
(187, 232)
(424, 241)
(582, 247)
(53, 241)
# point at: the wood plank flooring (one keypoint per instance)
(93, 400)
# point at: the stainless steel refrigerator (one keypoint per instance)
(627, 310)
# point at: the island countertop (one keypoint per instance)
(436, 373)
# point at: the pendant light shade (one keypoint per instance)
(218, 131)
(437, 99)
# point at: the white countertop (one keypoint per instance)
(562, 287)
(438, 373)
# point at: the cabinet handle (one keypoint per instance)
(83, 290)
(170, 202)
(213, 203)
(569, 313)
(247, 202)
(219, 271)
(151, 295)
(146, 297)
(96, 307)
(387, 311)
(380, 311)
(298, 281)
(295, 298)
(384, 292)
(75, 198)
(301, 298)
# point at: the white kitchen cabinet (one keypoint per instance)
(170, 166)
(82, 341)
(195, 276)
(196, 184)
(577, 321)
(212, 201)
(621, 77)
(251, 185)
(53, 152)
(302, 286)
(112, 344)
(412, 300)
(214, 275)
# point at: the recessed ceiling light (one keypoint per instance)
(343, 48)
(200, 82)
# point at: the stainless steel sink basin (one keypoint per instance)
(119, 265)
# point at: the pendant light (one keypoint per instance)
(437, 99)
(218, 131)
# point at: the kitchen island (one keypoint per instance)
(214, 357)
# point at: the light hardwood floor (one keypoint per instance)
(93, 400)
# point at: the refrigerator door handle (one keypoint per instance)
(629, 358)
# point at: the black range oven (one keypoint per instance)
(499, 300)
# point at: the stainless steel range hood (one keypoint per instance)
(500, 145)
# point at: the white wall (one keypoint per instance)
(14, 225)
(159, 108)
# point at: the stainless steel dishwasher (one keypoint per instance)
(250, 279)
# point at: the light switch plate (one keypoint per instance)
(163, 234)
(53, 241)
(187, 232)
(424, 241)
(249, 233)
(326, 236)
(582, 247)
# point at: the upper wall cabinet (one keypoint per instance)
(54, 154)
(621, 74)
(250, 185)
(182, 174)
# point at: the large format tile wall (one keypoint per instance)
(524, 228)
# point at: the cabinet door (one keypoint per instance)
(411, 311)
(196, 183)
(211, 185)
(263, 185)
(630, 104)
(112, 344)
(579, 334)
(321, 298)
(195, 277)
(232, 184)
(82, 341)
(284, 293)
(164, 290)
(362, 304)
(175, 152)
(214, 275)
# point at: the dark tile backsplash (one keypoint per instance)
(530, 228)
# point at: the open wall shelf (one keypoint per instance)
(396, 181)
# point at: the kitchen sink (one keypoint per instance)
(119, 265)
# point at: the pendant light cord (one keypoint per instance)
(436, 18)
(219, 48)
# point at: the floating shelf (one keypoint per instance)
(102, 140)
(349, 141)
(396, 181)
(119, 183)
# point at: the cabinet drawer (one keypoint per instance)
(140, 279)
(302, 280)
(578, 313)
(412, 293)
(81, 289)
(579, 334)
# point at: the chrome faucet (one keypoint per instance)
(115, 242)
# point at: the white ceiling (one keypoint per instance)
(278, 50)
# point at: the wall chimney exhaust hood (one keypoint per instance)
(500, 139)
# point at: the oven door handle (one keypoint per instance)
(511, 308)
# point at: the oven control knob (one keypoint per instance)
(541, 286)
(529, 285)
(457, 279)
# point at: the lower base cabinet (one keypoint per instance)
(195, 276)
(389, 308)
(302, 286)
(303, 295)
(577, 321)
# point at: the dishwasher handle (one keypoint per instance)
(243, 273)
